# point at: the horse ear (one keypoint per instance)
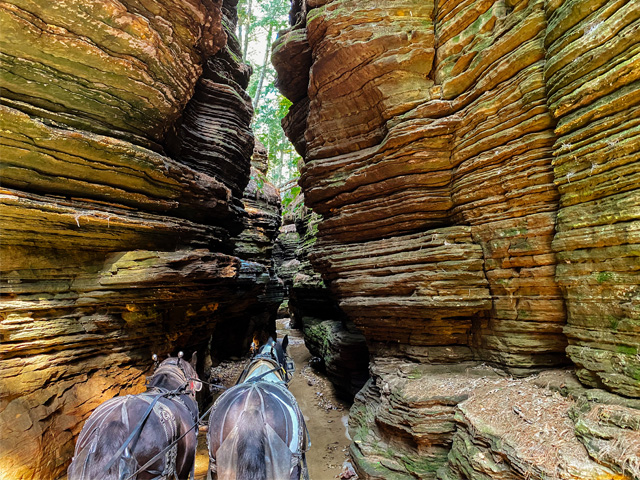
(194, 360)
(285, 343)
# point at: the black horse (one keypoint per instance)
(125, 433)
(256, 429)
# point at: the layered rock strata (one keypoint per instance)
(405, 139)
(261, 202)
(329, 335)
(516, 430)
(470, 422)
(592, 75)
(255, 243)
(402, 422)
(111, 248)
(80, 328)
(474, 164)
(415, 298)
(126, 69)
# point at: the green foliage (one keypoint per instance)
(257, 29)
(290, 196)
(283, 159)
(259, 179)
(604, 277)
(626, 349)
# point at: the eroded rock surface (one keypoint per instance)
(468, 421)
(329, 334)
(592, 78)
(107, 65)
(404, 139)
(475, 166)
(112, 249)
(255, 243)
(262, 222)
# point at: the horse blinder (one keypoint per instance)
(289, 365)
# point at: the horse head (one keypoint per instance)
(113, 446)
(175, 372)
(277, 350)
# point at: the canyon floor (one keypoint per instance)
(324, 412)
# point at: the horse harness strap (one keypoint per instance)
(173, 444)
(166, 419)
(305, 469)
(170, 428)
(134, 434)
(296, 452)
(262, 375)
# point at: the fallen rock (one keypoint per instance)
(611, 434)
(402, 421)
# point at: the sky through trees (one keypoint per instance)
(259, 22)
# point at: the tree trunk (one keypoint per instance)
(247, 31)
(263, 70)
(280, 166)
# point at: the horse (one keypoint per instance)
(123, 435)
(256, 428)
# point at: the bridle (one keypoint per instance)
(269, 354)
(178, 371)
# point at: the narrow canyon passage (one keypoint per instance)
(443, 196)
(324, 413)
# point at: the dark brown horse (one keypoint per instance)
(125, 433)
(256, 429)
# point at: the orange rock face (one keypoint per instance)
(475, 164)
(592, 71)
(112, 248)
(404, 140)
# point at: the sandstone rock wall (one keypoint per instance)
(592, 79)
(405, 139)
(255, 243)
(112, 249)
(467, 421)
(429, 119)
(262, 223)
(329, 335)
(475, 164)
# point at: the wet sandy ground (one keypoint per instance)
(325, 414)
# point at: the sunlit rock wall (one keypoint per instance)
(475, 164)
(439, 161)
(592, 76)
(112, 249)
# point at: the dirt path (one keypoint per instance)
(324, 413)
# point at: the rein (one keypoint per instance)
(262, 375)
(171, 445)
(138, 428)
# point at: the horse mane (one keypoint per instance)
(251, 447)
